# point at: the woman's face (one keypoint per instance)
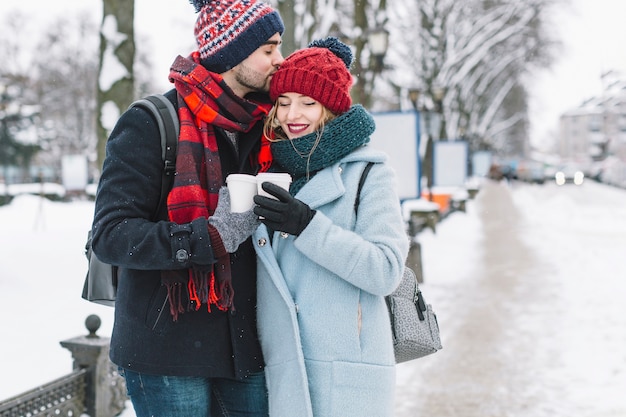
(298, 115)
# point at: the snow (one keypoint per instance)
(528, 286)
(112, 69)
(45, 188)
(577, 237)
(110, 115)
(417, 205)
(560, 248)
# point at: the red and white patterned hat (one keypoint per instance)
(228, 31)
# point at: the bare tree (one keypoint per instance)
(18, 138)
(56, 76)
(513, 44)
(476, 54)
(65, 87)
(349, 20)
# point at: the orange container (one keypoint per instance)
(443, 199)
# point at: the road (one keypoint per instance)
(529, 288)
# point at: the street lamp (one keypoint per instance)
(430, 112)
(378, 42)
(414, 257)
(424, 119)
(414, 96)
(438, 94)
(439, 129)
(430, 123)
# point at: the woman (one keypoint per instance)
(323, 272)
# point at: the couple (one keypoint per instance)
(223, 314)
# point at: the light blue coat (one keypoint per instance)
(322, 317)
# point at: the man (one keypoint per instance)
(185, 322)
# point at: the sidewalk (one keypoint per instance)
(504, 318)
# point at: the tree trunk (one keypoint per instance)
(115, 72)
(286, 8)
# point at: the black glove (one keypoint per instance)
(287, 214)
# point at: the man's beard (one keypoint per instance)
(252, 80)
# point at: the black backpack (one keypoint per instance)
(101, 281)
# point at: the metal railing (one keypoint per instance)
(62, 397)
(94, 388)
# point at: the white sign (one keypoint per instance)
(450, 163)
(74, 172)
(481, 162)
(397, 134)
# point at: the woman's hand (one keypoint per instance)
(285, 213)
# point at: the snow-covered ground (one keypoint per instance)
(528, 286)
(529, 289)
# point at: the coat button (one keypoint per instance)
(340, 170)
(262, 241)
(284, 235)
(182, 255)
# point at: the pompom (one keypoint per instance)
(199, 4)
(336, 47)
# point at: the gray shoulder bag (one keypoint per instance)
(413, 322)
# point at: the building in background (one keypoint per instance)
(594, 134)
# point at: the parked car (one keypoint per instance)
(569, 174)
(531, 171)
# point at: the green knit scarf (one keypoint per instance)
(340, 136)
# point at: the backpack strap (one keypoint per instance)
(357, 200)
(166, 117)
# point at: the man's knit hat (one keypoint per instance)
(321, 71)
(228, 31)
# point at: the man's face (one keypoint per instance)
(254, 73)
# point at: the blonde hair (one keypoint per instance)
(272, 124)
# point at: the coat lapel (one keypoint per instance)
(326, 186)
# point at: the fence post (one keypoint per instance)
(414, 259)
(105, 391)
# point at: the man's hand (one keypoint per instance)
(234, 228)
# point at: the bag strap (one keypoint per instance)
(408, 273)
(166, 117)
(357, 200)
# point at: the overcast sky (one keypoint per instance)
(593, 33)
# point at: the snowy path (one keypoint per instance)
(530, 307)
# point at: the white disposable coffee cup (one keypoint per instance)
(279, 178)
(242, 189)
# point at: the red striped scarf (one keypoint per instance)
(204, 101)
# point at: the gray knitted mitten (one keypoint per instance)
(234, 228)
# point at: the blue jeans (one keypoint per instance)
(175, 396)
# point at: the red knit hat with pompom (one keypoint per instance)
(321, 71)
